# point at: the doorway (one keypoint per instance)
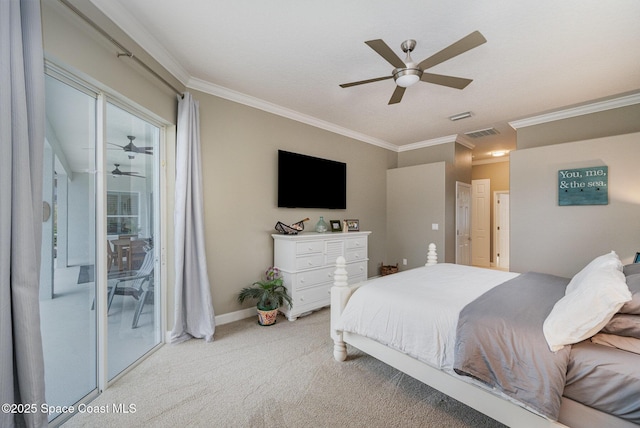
(463, 223)
(481, 222)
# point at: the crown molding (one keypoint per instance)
(428, 143)
(491, 160)
(577, 111)
(238, 97)
(465, 141)
(455, 138)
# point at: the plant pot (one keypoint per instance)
(267, 317)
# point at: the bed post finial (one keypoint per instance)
(339, 296)
(340, 276)
(432, 256)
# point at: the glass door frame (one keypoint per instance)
(104, 95)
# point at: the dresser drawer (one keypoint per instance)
(309, 262)
(356, 243)
(313, 277)
(309, 247)
(316, 296)
(356, 255)
(356, 270)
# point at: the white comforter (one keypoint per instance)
(430, 299)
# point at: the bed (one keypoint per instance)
(441, 338)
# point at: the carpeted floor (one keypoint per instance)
(278, 376)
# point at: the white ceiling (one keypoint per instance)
(289, 56)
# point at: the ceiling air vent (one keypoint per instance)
(482, 133)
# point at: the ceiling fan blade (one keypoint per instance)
(466, 43)
(397, 95)
(385, 52)
(450, 81)
(143, 149)
(362, 82)
(117, 145)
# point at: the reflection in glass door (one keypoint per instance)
(67, 284)
(133, 324)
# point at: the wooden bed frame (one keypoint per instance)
(463, 389)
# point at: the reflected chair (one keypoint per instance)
(112, 257)
(133, 285)
(136, 253)
(146, 297)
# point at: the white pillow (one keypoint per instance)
(610, 259)
(587, 308)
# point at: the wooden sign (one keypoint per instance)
(583, 186)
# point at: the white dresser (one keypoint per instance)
(308, 261)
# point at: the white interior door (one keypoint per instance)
(481, 222)
(501, 222)
(463, 226)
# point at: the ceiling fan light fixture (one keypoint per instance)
(406, 77)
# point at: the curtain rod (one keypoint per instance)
(126, 52)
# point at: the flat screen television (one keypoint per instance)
(310, 182)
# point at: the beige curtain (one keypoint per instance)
(22, 123)
(193, 308)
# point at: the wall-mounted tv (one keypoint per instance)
(310, 182)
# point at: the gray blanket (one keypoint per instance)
(500, 341)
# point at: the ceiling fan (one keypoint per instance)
(116, 172)
(407, 72)
(131, 149)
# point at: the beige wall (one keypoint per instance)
(239, 152)
(415, 200)
(618, 121)
(441, 152)
(560, 240)
(458, 161)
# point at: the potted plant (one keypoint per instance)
(270, 294)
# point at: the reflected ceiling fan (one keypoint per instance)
(407, 72)
(116, 172)
(131, 149)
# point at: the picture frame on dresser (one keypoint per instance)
(637, 258)
(336, 225)
(353, 225)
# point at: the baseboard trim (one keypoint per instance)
(236, 316)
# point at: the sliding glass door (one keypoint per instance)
(134, 315)
(100, 278)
